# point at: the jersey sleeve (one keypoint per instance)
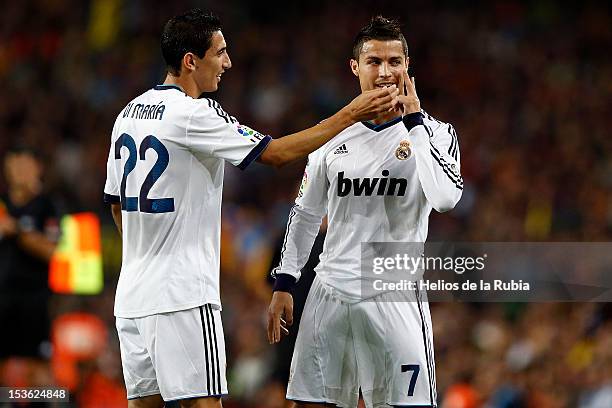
(304, 222)
(437, 160)
(111, 186)
(211, 132)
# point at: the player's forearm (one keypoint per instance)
(439, 175)
(442, 194)
(302, 230)
(298, 145)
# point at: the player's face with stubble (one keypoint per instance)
(215, 62)
(381, 64)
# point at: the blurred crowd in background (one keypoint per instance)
(527, 85)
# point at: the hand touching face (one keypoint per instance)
(381, 64)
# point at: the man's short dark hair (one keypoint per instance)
(21, 148)
(382, 29)
(189, 32)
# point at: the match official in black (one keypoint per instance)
(29, 232)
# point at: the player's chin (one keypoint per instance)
(212, 87)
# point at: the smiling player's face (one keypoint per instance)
(381, 64)
(214, 63)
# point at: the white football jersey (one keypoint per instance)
(376, 184)
(165, 167)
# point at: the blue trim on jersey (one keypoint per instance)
(284, 283)
(412, 119)
(382, 126)
(111, 199)
(255, 153)
(164, 87)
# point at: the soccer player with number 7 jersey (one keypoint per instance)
(164, 184)
(377, 182)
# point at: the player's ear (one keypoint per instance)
(355, 67)
(189, 62)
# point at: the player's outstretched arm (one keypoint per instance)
(366, 106)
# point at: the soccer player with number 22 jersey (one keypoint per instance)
(164, 183)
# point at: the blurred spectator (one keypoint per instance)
(28, 235)
(461, 396)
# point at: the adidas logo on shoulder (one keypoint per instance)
(341, 150)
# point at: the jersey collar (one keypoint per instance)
(382, 126)
(164, 87)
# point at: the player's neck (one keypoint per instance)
(185, 83)
(385, 117)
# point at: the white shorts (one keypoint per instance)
(178, 355)
(383, 346)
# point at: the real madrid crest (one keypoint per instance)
(403, 150)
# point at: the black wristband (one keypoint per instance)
(412, 119)
(284, 283)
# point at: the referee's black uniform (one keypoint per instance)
(24, 293)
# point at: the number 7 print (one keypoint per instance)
(415, 368)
